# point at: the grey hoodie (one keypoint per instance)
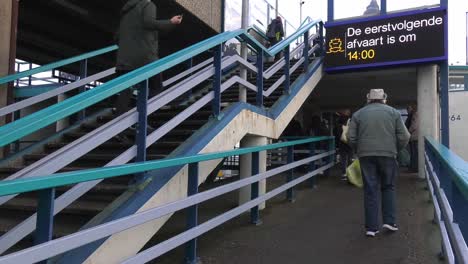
(138, 34)
(377, 130)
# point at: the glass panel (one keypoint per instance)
(395, 5)
(259, 13)
(233, 15)
(356, 8)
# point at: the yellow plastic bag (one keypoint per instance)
(354, 173)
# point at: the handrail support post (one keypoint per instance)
(45, 217)
(290, 175)
(83, 74)
(306, 51)
(331, 158)
(321, 39)
(287, 66)
(260, 78)
(312, 165)
(192, 214)
(142, 127)
(460, 209)
(254, 193)
(217, 80)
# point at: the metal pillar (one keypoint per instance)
(246, 167)
(312, 165)
(287, 81)
(45, 217)
(255, 212)
(290, 175)
(444, 104)
(306, 51)
(383, 7)
(217, 81)
(322, 41)
(268, 14)
(301, 2)
(331, 158)
(460, 209)
(277, 9)
(8, 25)
(260, 78)
(192, 214)
(331, 10)
(82, 89)
(444, 83)
(244, 50)
(141, 131)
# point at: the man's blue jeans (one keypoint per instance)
(379, 172)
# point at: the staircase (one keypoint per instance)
(80, 212)
(117, 197)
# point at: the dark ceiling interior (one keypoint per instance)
(51, 30)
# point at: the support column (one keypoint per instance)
(427, 109)
(8, 21)
(244, 49)
(246, 167)
(276, 10)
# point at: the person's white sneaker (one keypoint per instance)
(390, 227)
(371, 233)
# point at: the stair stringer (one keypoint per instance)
(246, 120)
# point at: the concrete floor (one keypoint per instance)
(324, 225)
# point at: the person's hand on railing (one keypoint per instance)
(176, 20)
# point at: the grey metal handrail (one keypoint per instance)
(83, 145)
(58, 246)
(447, 178)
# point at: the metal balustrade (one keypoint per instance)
(447, 178)
(45, 185)
(179, 85)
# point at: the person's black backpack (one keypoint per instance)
(271, 30)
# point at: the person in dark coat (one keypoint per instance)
(378, 133)
(344, 150)
(275, 33)
(294, 129)
(138, 43)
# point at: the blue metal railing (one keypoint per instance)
(47, 184)
(57, 64)
(447, 176)
(43, 118)
(80, 58)
(93, 139)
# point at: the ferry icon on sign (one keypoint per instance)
(335, 46)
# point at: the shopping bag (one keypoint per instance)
(344, 134)
(354, 173)
(404, 158)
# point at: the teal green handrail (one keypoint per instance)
(307, 19)
(453, 162)
(31, 123)
(68, 178)
(78, 58)
(57, 64)
(259, 31)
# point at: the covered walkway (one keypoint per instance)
(324, 225)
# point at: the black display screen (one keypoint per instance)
(411, 37)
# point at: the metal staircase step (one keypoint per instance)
(80, 207)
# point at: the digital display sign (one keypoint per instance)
(409, 37)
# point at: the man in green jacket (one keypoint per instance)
(138, 43)
(377, 132)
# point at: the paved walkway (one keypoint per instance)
(324, 225)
